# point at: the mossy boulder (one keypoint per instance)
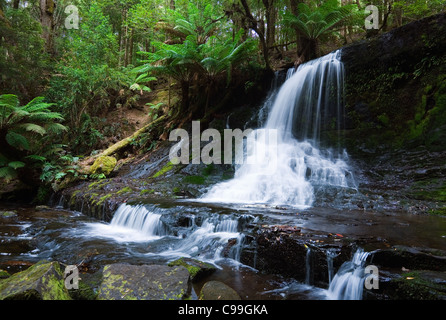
(7, 214)
(197, 269)
(145, 282)
(104, 165)
(42, 281)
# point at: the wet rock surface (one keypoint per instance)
(42, 281)
(216, 290)
(145, 282)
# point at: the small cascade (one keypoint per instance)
(348, 283)
(308, 267)
(216, 238)
(140, 219)
(331, 254)
(131, 224)
(208, 237)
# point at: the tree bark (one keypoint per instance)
(253, 23)
(47, 9)
(302, 44)
(270, 22)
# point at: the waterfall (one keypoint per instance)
(140, 219)
(287, 170)
(308, 279)
(348, 283)
(131, 224)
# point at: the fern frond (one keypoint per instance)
(17, 141)
(32, 127)
(16, 164)
(8, 173)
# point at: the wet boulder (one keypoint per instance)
(144, 282)
(197, 269)
(216, 290)
(42, 281)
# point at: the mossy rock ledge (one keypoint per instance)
(144, 282)
(42, 281)
(103, 164)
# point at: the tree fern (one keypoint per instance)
(314, 22)
(26, 133)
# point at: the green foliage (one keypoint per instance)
(87, 75)
(315, 21)
(26, 134)
(22, 54)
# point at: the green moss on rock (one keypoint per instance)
(42, 281)
(169, 166)
(197, 269)
(104, 165)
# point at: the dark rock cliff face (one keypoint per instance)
(395, 87)
(396, 112)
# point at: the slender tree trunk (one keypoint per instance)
(47, 9)
(302, 43)
(122, 37)
(270, 15)
(255, 26)
(130, 45)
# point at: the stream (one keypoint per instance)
(161, 232)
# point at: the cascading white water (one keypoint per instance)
(348, 283)
(209, 240)
(286, 170)
(216, 237)
(139, 219)
(131, 224)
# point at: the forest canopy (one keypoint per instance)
(65, 64)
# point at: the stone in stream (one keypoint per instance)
(197, 269)
(42, 281)
(216, 290)
(144, 282)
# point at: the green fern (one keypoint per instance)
(8, 173)
(26, 132)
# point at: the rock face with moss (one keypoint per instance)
(104, 165)
(145, 282)
(396, 87)
(42, 281)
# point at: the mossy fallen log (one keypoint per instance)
(123, 143)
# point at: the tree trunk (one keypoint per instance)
(122, 37)
(302, 44)
(184, 96)
(255, 26)
(270, 22)
(47, 9)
